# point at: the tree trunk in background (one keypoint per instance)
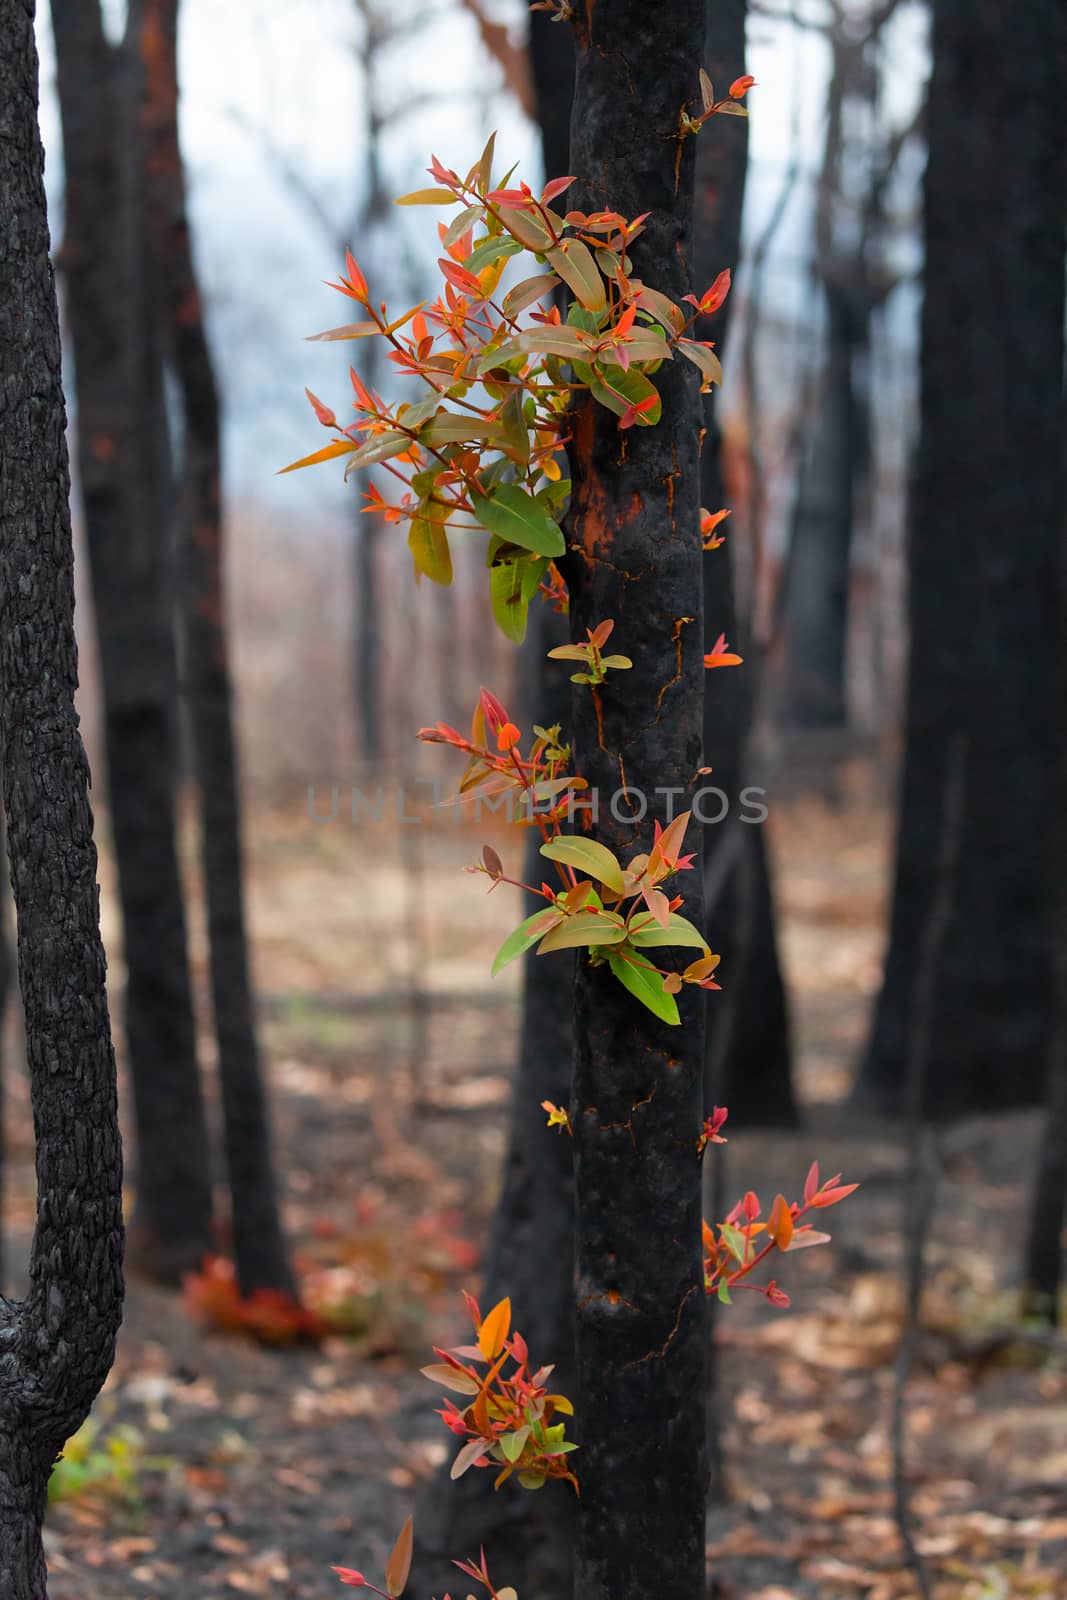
(1043, 1272)
(815, 691)
(748, 1046)
(986, 527)
(259, 1248)
(367, 644)
(528, 1538)
(118, 370)
(59, 1342)
(637, 1101)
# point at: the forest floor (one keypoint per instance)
(223, 1468)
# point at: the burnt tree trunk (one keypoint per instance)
(986, 526)
(7, 973)
(820, 561)
(528, 1537)
(1043, 1266)
(636, 1104)
(259, 1248)
(748, 1044)
(59, 1342)
(118, 372)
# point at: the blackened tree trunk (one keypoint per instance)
(259, 1248)
(528, 1538)
(985, 531)
(118, 371)
(820, 559)
(1043, 1267)
(635, 556)
(59, 1342)
(6, 974)
(748, 1044)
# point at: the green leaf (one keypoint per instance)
(548, 339)
(329, 452)
(679, 931)
(584, 928)
(492, 249)
(516, 516)
(662, 307)
(734, 1240)
(484, 169)
(531, 1480)
(459, 225)
(513, 1444)
(510, 604)
(574, 262)
(379, 448)
(647, 987)
(705, 360)
(590, 857)
(427, 197)
(428, 543)
(644, 345)
(411, 416)
(724, 1293)
(452, 427)
(526, 226)
(528, 292)
(514, 433)
(524, 937)
(626, 389)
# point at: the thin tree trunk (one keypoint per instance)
(59, 1342)
(1043, 1269)
(636, 1104)
(530, 1538)
(259, 1248)
(367, 644)
(987, 522)
(816, 619)
(119, 386)
(748, 1045)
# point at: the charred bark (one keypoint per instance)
(530, 1538)
(259, 1248)
(120, 417)
(634, 555)
(986, 526)
(748, 1043)
(1043, 1266)
(59, 1342)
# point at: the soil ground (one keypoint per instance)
(237, 1469)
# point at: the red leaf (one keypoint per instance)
(830, 1197)
(740, 87)
(324, 414)
(811, 1183)
(349, 1575)
(556, 187)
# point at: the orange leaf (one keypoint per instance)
(494, 1330)
(399, 1563)
(780, 1223)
